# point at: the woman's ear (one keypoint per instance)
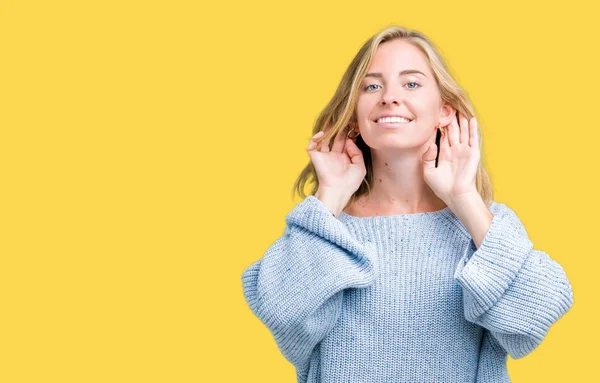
(448, 114)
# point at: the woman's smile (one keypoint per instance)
(392, 124)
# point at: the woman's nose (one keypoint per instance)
(389, 97)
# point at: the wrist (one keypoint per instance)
(465, 204)
(332, 200)
(463, 198)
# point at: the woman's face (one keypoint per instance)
(399, 82)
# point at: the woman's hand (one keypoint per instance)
(457, 163)
(341, 170)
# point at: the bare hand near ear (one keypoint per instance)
(458, 160)
(340, 171)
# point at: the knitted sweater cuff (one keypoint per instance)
(315, 258)
(487, 272)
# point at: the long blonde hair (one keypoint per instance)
(339, 115)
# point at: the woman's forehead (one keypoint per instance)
(399, 56)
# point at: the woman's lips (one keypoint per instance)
(392, 124)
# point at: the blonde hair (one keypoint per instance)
(339, 115)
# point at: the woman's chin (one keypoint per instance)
(397, 142)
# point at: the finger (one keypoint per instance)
(339, 141)
(453, 131)
(474, 133)
(313, 143)
(354, 152)
(464, 131)
(325, 145)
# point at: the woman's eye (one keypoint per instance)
(368, 87)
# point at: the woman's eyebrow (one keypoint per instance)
(404, 72)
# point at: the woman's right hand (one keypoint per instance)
(340, 170)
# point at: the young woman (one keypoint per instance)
(400, 267)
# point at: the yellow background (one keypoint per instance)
(149, 150)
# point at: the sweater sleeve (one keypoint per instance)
(513, 290)
(296, 288)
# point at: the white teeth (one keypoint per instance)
(392, 119)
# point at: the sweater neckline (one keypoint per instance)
(444, 215)
(414, 216)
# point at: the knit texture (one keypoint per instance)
(404, 298)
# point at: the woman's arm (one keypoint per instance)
(296, 289)
(510, 288)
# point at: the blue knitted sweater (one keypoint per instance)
(404, 298)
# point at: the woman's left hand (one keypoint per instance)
(457, 163)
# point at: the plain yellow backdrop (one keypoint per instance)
(149, 150)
